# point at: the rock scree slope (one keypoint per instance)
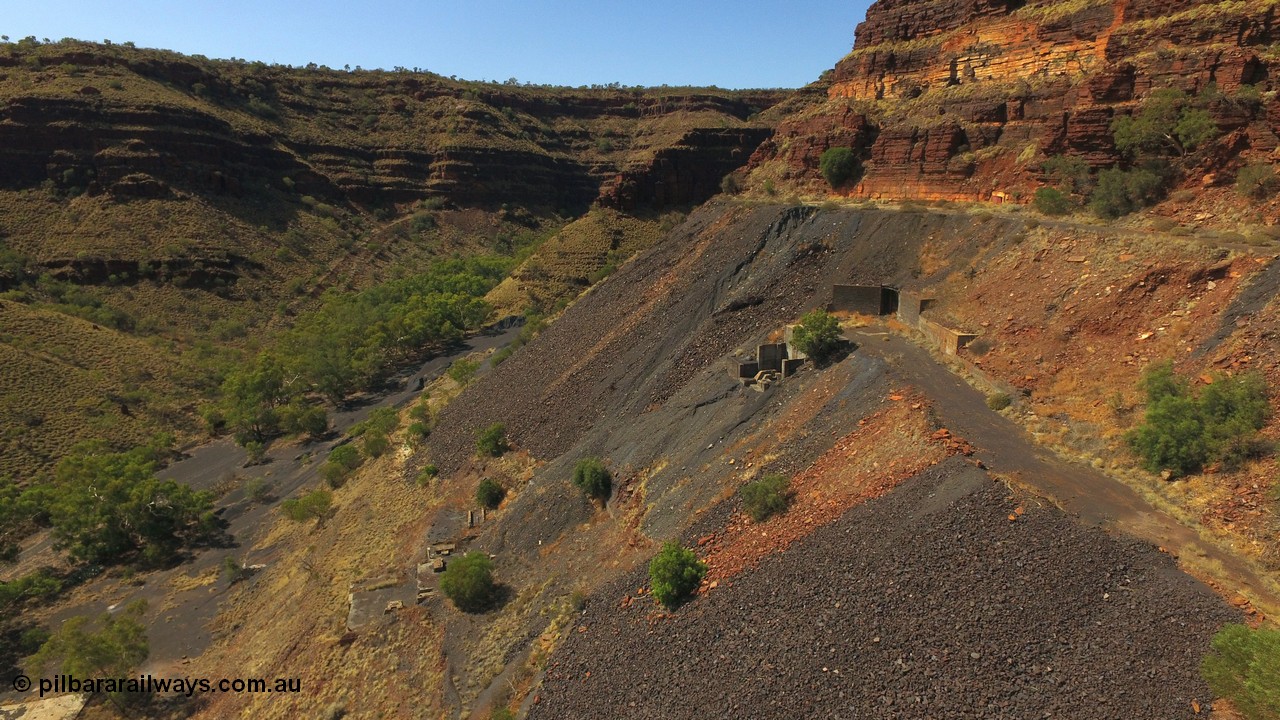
(927, 602)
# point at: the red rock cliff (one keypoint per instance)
(964, 99)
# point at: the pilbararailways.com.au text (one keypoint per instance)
(180, 685)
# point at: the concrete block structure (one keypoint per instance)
(864, 299)
(910, 305)
(791, 366)
(951, 341)
(773, 361)
(770, 356)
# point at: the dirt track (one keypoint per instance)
(1080, 491)
(925, 603)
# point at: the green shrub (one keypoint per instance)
(419, 429)
(1120, 192)
(233, 570)
(256, 451)
(1069, 173)
(593, 479)
(838, 166)
(374, 444)
(258, 490)
(342, 461)
(998, 401)
(462, 371)
(817, 335)
(675, 574)
(1184, 430)
(384, 420)
(1257, 181)
(1049, 201)
(492, 441)
(502, 355)
(766, 497)
(315, 504)
(468, 582)
(490, 493)
(427, 474)
(1244, 666)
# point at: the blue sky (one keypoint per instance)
(571, 42)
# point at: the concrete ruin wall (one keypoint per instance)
(770, 356)
(951, 341)
(864, 299)
(910, 305)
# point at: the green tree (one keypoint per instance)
(252, 397)
(1165, 122)
(1244, 666)
(108, 506)
(1051, 201)
(817, 335)
(1068, 173)
(304, 418)
(766, 497)
(1183, 431)
(1120, 192)
(32, 586)
(19, 510)
(114, 651)
(468, 582)
(492, 441)
(675, 574)
(489, 493)
(838, 166)
(593, 479)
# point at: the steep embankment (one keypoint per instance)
(925, 603)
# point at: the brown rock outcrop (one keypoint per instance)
(963, 99)
(139, 123)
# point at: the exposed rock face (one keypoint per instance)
(689, 172)
(963, 99)
(167, 124)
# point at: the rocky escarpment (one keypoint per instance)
(964, 100)
(132, 123)
(688, 171)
